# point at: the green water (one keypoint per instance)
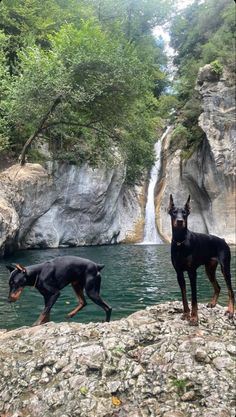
(135, 276)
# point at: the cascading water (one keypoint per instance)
(151, 235)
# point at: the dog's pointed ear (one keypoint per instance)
(187, 205)
(20, 268)
(10, 267)
(171, 204)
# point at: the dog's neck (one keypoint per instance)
(32, 272)
(179, 235)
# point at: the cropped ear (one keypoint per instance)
(171, 204)
(20, 268)
(187, 205)
(10, 267)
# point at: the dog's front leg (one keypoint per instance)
(182, 284)
(193, 283)
(49, 301)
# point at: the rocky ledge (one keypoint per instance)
(149, 364)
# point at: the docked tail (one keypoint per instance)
(100, 267)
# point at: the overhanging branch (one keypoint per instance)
(55, 103)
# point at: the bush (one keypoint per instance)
(217, 67)
(4, 143)
(179, 137)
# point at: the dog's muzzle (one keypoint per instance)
(179, 223)
(14, 296)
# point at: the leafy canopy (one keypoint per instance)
(83, 75)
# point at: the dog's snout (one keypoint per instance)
(180, 222)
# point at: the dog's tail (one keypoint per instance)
(100, 267)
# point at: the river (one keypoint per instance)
(135, 276)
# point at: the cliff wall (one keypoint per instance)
(209, 174)
(67, 205)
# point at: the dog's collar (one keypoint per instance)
(36, 280)
(178, 243)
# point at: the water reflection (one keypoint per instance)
(135, 276)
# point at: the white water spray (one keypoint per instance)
(151, 235)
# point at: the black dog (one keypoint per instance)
(190, 250)
(51, 276)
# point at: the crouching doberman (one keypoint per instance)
(52, 276)
(189, 250)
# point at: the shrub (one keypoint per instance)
(216, 67)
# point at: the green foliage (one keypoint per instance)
(135, 18)
(179, 137)
(84, 391)
(4, 143)
(4, 90)
(187, 139)
(167, 104)
(100, 60)
(216, 67)
(179, 384)
(203, 33)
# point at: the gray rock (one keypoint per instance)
(70, 206)
(208, 174)
(90, 375)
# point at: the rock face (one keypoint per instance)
(151, 364)
(209, 174)
(67, 206)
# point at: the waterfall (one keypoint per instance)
(151, 235)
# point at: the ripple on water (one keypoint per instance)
(135, 276)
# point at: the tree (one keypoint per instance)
(4, 88)
(82, 77)
(87, 86)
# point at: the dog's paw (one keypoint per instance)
(211, 305)
(230, 314)
(185, 316)
(193, 321)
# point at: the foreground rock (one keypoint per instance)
(150, 364)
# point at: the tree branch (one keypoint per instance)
(87, 126)
(39, 129)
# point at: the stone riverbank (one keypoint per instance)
(150, 364)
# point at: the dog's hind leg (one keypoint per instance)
(211, 273)
(224, 260)
(194, 307)
(92, 288)
(82, 302)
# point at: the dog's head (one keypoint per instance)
(17, 281)
(179, 215)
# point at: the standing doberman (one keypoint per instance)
(52, 276)
(189, 250)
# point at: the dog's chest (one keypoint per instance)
(182, 259)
